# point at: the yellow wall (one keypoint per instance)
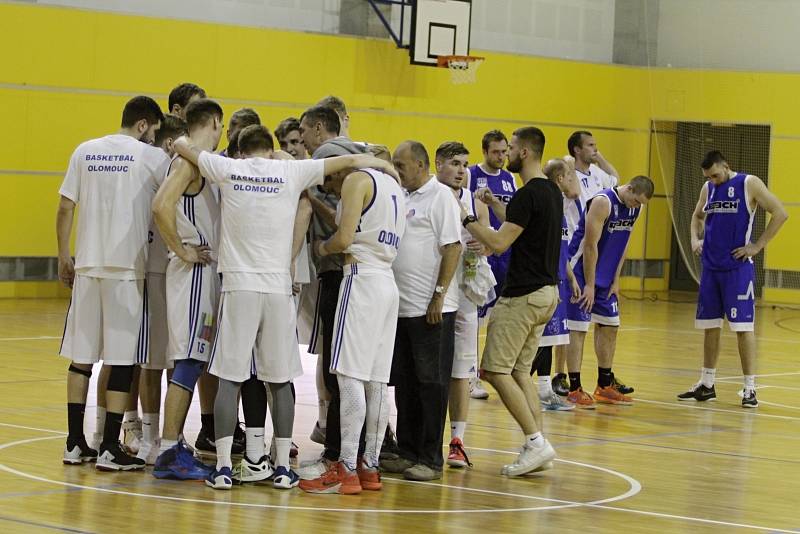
(68, 81)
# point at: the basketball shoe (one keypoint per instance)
(337, 479)
(220, 479)
(114, 458)
(699, 393)
(476, 390)
(610, 395)
(178, 462)
(555, 403)
(581, 399)
(249, 471)
(79, 453)
(458, 456)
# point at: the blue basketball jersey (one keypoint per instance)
(613, 240)
(729, 223)
(564, 256)
(501, 184)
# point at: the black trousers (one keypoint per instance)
(421, 368)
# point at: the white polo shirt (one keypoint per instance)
(432, 221)
(592, 183)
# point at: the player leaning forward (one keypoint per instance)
(259, 202)
(114, 179)
(721, 227)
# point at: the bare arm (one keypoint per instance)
(606, 166)
(762, 197)
(186, 150)
(165, 209)
(356, 192)
(451, 255)
(484, 194)
(482, 214)
(497, 241)
(358, 161)
(323, 211)
(697, 226)
(64, 217)
(599, 210)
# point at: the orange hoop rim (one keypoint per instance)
(444, 61)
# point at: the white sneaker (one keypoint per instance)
(530, 459)
(556, 403)
(132, 435)
(312, 470)
(79, 454)
(247, 471)
(149, 452)
(476, 390)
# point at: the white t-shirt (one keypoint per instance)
(158, 252)
(432, 221)
(113, 179)
(259, 204)
(591, 184)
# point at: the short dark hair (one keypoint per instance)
(642, 185)
(533, 137)
(172, 126)
(576, 140)
(325, 115)
(141, 107)
(335, 103)
(492, 136)
(712, 157)
(419, 152)
(555, 167)
(287, 126)
(232, 150)
(183, 93)
(245, 117)
(202, 111)
(255, 137)
(450, 149)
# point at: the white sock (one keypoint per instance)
(707, 376)
(150, 427)
(545, 387)
(167, 444)
(322, 415)
(282, 446)
(254, 445)
(224, 452)
(534, 440)
(100, 425)
(749, 382)
(130, 416)
(457, 429)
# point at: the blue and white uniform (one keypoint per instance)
(366, 312)
(556, 331)
(193, 288)
(727, 285)
(503, 188)
(614, 239)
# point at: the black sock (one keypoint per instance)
(604, 376)
(75, 413)
(207, 424)
(574, 381)
(544, 361)
(112, 428)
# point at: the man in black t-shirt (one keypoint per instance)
(532, 229)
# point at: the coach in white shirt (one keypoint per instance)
(423, 356)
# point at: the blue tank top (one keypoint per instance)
(502, 186)
(564, 256)
(613, 240)
(729, 223)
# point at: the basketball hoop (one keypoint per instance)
(463, 69)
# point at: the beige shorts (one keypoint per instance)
(515, 328)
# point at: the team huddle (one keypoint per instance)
(216, 266)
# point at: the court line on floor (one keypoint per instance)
(633, 490)
(42, 525)
(59, 432)
(768, 403)
(739, 377)
(735, 412)
(35, 338)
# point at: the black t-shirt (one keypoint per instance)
(538, 208)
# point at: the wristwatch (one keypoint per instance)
(439, 290)
(469, 219)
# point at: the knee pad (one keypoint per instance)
(78, 370)
(186, 374)
(120, 378)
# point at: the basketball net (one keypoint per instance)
(463, 69)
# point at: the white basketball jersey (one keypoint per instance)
(198, 217)
(158, 253)
(591, 184)
(382, 223)
(468, 201)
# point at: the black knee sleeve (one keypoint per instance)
(120, 378)
(78, 370)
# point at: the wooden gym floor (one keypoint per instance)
(657, 466)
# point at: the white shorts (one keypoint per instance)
(365, 324)
(192, 300)
(105, 321)
(465, 355)
(309, 325)
(156, 318)
(256, 336)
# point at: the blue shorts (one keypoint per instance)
(727, 294)
(605, 310)
(556, 331)
(499, 265)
